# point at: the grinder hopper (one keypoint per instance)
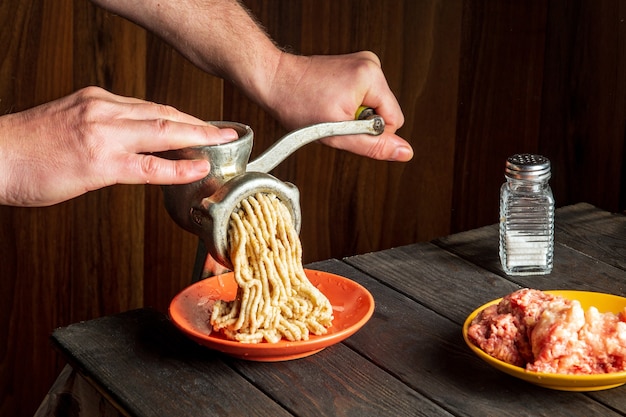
(204, 207)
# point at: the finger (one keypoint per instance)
(385, 105)
(379, 95)
(135, 108)
(150, 169)
(391, 113)
(146, 110)
(156, 118)
(163, 134)
(385, 147)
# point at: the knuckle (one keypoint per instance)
(162, 127)
(166, 116)
(90, 91)
(369, 58)
(363, 67)
(166, 111)
(149, 167)
(89, 104)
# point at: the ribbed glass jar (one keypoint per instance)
(527, 216)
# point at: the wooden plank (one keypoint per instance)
(595, 232)
(616, 402)
(82, 258)
(583, 102)
(592, 231)
(573, 268)
(337, 381)
(139, 362)
(424, 272)
(502, 63)
(32, 35)
(148, 368)
(426, 351)
(125, 354)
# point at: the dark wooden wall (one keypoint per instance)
(478, 81)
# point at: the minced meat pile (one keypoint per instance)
(547, 333)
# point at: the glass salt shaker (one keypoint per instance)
(527, 216)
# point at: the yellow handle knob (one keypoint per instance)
(364, 112)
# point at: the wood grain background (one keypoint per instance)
(477, 80)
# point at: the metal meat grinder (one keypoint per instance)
(204, 207)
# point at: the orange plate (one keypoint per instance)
(352, 305)
(563, 382)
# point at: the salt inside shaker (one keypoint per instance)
(526, 216)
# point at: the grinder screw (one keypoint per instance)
(196, 215)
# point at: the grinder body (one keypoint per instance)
(204, 207)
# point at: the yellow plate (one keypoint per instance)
(604, 303)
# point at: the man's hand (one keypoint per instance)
(317, 89)
(92, 139)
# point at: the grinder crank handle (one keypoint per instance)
(366, 122)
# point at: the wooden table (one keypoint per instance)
(408, 360)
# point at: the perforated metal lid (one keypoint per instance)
(526, 166)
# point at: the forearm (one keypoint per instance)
(219, 36)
